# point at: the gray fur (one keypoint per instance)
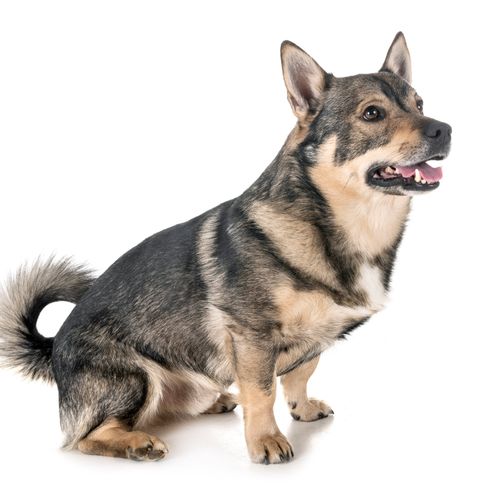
(21, 300)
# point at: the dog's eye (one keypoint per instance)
(420, 105)
(373, 113)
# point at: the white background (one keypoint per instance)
(118, 119)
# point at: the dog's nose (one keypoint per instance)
(438, 131)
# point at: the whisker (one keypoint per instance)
(347, 181)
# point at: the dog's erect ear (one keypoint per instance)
(304, 77)
(398, 59)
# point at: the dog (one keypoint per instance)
(253, 289)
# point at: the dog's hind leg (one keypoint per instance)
(114, 438)
(226, 402)
(294, 386)
(101, 404)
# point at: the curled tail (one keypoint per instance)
(25, 294)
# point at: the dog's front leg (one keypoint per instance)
(255, 372)
(294, 386)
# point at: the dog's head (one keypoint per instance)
(368, 130)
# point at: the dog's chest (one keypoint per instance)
(315, 314)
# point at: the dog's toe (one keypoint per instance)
(225, 403)
(152, 450)
(310, 410)
(271, 449)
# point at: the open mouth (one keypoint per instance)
(417, 177)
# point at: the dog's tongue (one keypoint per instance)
(428, 173)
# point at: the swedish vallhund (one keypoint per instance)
(256, 288)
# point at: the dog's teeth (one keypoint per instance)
(417, 175)
(423, 181)
(389, 170)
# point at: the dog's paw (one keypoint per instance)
(310, 410)
(145, 448)
(270, 449)
(225, 403)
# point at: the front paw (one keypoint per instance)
(309, 410)
(225, 403)
(270, 449)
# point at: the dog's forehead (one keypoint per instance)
(360, 87)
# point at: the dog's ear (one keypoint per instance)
(305, 79)
(398, 59)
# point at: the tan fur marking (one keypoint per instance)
(216, 320)
(313, 316)
(286, 359)
(294, 387)
(264, 440)
(297, 241)
(405, 138)
(302, 308)
(226, 402)
(258, 409)
(372, 220)
(221, 365)
(294, 383)
(114, 438)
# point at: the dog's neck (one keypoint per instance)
(367, 222)
(371, 221)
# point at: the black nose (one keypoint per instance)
(438, 131)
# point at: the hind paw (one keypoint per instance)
(114, 438)
(149, 449)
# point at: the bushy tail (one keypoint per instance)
(25, 294)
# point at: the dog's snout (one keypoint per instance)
(438, 131)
